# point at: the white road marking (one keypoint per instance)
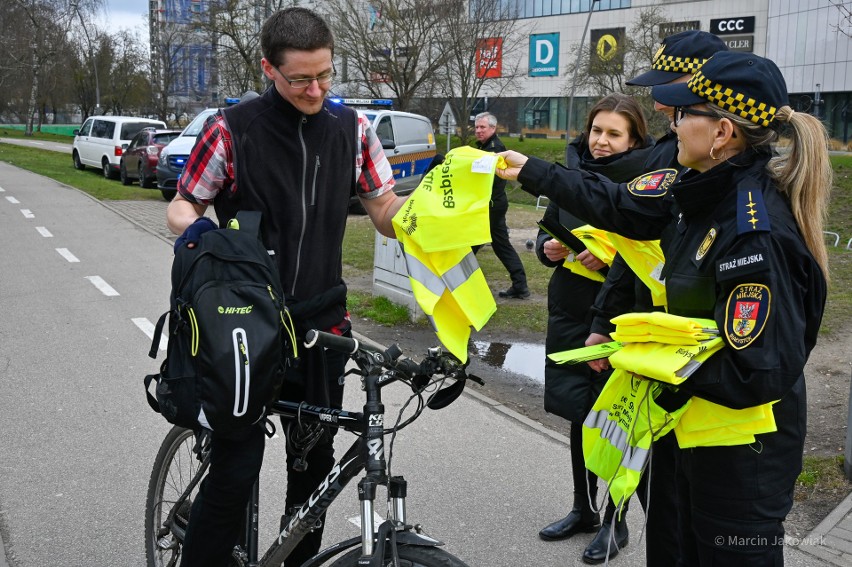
(148, 328)
(65, 253)
(28, 214)
(2, 190)
(104, 287)
(13, 200)
(44, 232)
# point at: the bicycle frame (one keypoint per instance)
(366, 454)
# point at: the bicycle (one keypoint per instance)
(183, 459)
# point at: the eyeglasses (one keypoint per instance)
(321, 80)
(681, 111)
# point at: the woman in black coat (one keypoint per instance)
(615, 144)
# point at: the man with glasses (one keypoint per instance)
(297, 158)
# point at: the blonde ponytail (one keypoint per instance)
(806, 176)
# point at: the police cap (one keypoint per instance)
(741, 83)
(679, 54)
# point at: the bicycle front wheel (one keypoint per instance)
(409, 556)
(175, 468)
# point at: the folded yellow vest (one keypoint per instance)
(598, 244)
(645, 259)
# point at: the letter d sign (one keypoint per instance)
(544, 55)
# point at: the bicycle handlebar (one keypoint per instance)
(331, 341)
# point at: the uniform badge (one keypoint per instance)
(706, 244)
(746, 314)
(653, 184)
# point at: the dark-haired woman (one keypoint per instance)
(614, 144)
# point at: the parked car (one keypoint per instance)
(408, 141)
(139, 160)
(173, 157)
(101, 140)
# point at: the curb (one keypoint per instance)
(824, 550)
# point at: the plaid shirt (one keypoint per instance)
(210, 168)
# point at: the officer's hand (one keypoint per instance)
(600, 364)
(590, 261)
(193, 232)
(514, 163)
(554, 250)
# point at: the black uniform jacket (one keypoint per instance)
(733, 253)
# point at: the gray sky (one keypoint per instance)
(128, 14)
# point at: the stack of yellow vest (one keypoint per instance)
(625, 420)
(436, 227)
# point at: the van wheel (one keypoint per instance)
(123, 175)
(77, 163)
(106, 169)
(168, 194)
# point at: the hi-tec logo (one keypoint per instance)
(235, 310)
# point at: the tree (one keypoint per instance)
(844, 7)
(127, 83)
(168, 43)
(478, 37)
(600, 76)
(390, 47)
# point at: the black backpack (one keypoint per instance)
(230, 337)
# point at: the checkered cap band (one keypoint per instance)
(683, 65)
(734, 102)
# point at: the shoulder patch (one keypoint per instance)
(746, 314)
(652, 184)
(751, 212)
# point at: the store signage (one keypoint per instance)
(544, 55)
(671, 28)
(725, 26)
(607, 55)
(489, 58)
(739, 42)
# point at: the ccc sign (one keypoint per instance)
(724, 26)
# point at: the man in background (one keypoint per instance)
(485, 129)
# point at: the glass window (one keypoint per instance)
(130, 129)
(411, 131)
(384, 129)
(87, 126)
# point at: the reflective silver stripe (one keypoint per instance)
(419, 271)
(461, 272)
(633, 458)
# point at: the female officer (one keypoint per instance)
(614, 144)
(742, 236)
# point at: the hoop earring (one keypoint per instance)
(714, 158)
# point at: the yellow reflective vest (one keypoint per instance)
(436, 227)
(598, 244)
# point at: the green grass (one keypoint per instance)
(377, 308)
(823, 473)
(59, 166)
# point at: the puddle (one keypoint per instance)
(526, 359)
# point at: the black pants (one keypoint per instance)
(235, 461)
(503, 246)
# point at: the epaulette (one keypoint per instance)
(652, 184)
(751, 211)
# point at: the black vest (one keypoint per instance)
(299, 171)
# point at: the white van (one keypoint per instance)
(102, 139)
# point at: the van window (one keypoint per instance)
(87, 126)
(412, 131)
(384, 129)
(103, 129)
(130, 129)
